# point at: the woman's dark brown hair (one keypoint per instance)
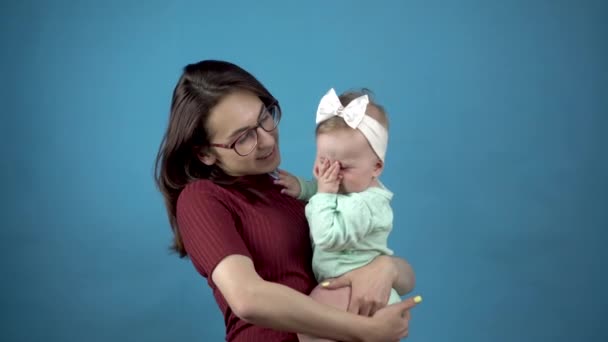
(200, 88)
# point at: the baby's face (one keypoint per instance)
(359, 164)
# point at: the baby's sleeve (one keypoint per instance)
(307, 189)
(338, 222)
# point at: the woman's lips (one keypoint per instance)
(268, 155)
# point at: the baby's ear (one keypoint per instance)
(378, 168)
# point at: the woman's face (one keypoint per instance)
(236, 114)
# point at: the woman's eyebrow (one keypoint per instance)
(238, 131)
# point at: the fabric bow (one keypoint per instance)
(353, 113)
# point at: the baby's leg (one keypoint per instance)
(338, 298)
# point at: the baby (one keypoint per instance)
(348, 208)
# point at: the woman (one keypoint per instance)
(251, 242)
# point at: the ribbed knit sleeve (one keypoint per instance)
(208, 227)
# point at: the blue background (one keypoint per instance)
(497, 156)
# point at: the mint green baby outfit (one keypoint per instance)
(347, 230)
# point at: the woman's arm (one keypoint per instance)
(279, 307)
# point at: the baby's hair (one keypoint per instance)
(338, 123)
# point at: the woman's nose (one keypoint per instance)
(265, 138)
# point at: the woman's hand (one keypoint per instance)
(387, 324)
(370, 285)
(393, 321)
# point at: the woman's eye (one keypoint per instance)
(250, 134)
(246, 138)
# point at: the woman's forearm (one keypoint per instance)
(278, 307)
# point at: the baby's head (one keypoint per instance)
(337, 141)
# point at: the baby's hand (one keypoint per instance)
(290, 183)
(328, 176)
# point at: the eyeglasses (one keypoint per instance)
(247, 141)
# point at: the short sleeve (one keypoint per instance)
(207, 228)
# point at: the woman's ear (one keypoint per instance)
(206, 157)
(378, 168)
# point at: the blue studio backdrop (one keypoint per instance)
(497, 156)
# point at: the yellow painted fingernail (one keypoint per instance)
(325, 283)
(417, 299)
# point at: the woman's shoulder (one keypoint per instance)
(201, 185)
(199, 190)
(246, 191)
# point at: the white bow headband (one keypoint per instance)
(354, 116)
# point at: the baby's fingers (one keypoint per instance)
(281, 181)
(334, 171)
(324, 169)
(289, 192)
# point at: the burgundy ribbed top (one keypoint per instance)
(218, 221)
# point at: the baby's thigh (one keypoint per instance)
(338, 298)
